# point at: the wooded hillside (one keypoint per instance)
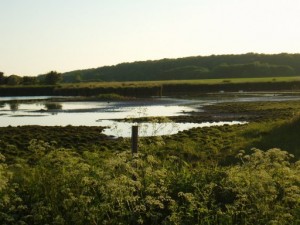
(197, 67)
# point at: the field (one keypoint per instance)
(179, 82)
(157, 88)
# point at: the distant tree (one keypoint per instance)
(29, 80)
(53, 77)
(2, 78)
(13, 80)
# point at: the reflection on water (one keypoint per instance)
(14, 106)
(53, 106)
(45, 113)
(85, 118)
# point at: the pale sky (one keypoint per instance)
(38, 36)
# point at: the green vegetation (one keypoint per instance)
(199, 67)
(250, 65)
(78, 90)
(116, 84)
(272, 124)
(15, 140)
(109, 97)
(52, 78)
(213, 175)
(191, 75)
(157, 88)
(74, 175)
(63, 187)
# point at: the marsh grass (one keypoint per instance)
(193, 82)
(157, 88)
(283, 135)
(79, 138)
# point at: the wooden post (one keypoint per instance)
(134, 139)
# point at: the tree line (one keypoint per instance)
(50, 78)
(197, 67)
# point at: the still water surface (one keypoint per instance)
(15, 112)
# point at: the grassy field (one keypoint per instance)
(157, 88)
(202, 81)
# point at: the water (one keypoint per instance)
(17, 112)
(84, 113)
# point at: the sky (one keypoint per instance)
(38, 36)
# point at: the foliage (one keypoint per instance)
(52, 78)
(63, 187)
(198, 67)
(255, 69)
(2, 78)
(15, 140)
(29, 80)
(4, 175)
(284, 135)
(266, 186)
(250, 65)
(180, 179)
(13, 80)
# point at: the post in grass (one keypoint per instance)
(134, 139)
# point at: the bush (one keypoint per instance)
(63, 187)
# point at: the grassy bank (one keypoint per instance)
(14, 141)
(199, 81)
(158, 88)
